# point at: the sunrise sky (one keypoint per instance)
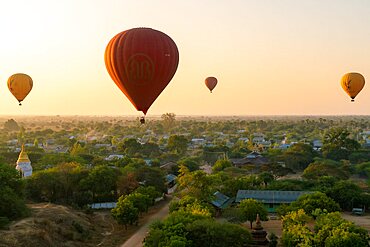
(270, 57)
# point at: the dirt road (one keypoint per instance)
(136, 240)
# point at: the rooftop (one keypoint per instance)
(270, 196)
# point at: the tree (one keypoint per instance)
(325, 167)
(298, 156)
(332, 230)
(125, 213)
(21, 135)
(190, 162)
(196, 183)
(101, 180)
(183, 228)
(127, 183)
(168, 120)
(310, 202)
(130, 147)
(193, 205)
(266, 177)
(12, 204)
(36, 143)
(337, 145)
(220, 165)
(347, 194)
(11, 125)
(171, 231)
(150, 149)
(290, 184)
(149, 191)
(77, 149)
(250, 208)
(177, 144)
(217, 234)
(273, 240)
(59, 184)
(152, 176)
(139, 201)
(295, 230)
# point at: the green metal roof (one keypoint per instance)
(221, 201)
(270, 196)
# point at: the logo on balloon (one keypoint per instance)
(140, 69)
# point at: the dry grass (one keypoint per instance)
(56, 225)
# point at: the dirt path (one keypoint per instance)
(136, 240)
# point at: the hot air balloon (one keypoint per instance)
(20, 85)
(141, 61)
(352, 83)
(211, 83)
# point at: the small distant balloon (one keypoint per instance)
(211, 83)
(20, 86)
(352, 84)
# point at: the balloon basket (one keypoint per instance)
(142, 120)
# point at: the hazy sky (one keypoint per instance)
(270, 57)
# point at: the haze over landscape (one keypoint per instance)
(270, 57)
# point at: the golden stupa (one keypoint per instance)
(23, 157)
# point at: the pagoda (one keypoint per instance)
(258, 234)
(24, 164)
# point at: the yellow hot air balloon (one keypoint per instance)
(352, 83)
(20, 85)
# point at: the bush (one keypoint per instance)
(4, 221)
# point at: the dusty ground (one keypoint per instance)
(61, 226)
(363, 221)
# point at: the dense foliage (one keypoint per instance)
(12, 204)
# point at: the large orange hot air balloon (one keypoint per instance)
(20, 85)
(141, 61)
(352, 83)
(211, 83)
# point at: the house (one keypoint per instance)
(168, 166)
(272, 199)
(317, 144)
(367, 143)
(148, 162)
(12, 142)
(258, 140)
(284, 146)
(114, 156)
(102, 145)
(170, 180)
(196, 142)
(265, 144)
(244, 139)
(221, 201)
(253, 158)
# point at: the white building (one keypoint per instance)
(24, 164)
(114, 156)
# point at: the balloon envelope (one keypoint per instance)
(211, 83)
(352, 83)
(141, 61)
(20, 85)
